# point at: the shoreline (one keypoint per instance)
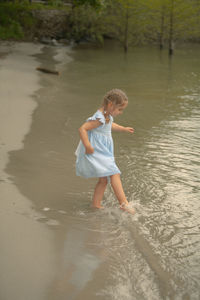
(27, 228)
(20, 231)
(19, 82)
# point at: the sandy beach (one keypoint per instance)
(26, 244)
(38, 185)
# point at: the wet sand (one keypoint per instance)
(43, 255)
(26, 260)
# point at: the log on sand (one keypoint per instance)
(47, 71)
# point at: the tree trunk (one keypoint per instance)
(171, 29)
(126, 33)
(162, 28)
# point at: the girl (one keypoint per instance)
(95, 156)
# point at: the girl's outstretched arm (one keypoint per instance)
(84, 135)
(117, 127)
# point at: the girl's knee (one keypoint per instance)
(115, 177)
(103, 180)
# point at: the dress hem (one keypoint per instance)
(106, 175)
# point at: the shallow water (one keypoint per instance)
(109, 254)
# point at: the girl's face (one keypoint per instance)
(116, 110)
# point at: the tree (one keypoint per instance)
(157, 20)
(125, 21)
(172, 20)
(85, 22)
(181, 21)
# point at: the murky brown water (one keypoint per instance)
(110, 255)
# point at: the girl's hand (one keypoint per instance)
(129, 129)
(89, 149)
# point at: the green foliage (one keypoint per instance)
(86, 24)
(13, 30)
(54, 4)
(141, 21)
(97, 4)
(15, 19)
(183, 15)
(128, 21)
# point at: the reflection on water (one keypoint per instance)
(109, 254)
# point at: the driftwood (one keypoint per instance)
(47, 71)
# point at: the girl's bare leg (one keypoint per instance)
(119, 192)
(118, 189)
(99, 192)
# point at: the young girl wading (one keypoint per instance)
(95, 157)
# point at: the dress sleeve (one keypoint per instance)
(97, 116)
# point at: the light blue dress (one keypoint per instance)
(101, 163)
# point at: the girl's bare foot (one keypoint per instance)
(125, 207)
(97, 206)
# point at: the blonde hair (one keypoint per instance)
(116, 97)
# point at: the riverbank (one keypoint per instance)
(39, 189)
(19, 234)
(93, 22)
(33, 22)
(26, 243)
(49, 24)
